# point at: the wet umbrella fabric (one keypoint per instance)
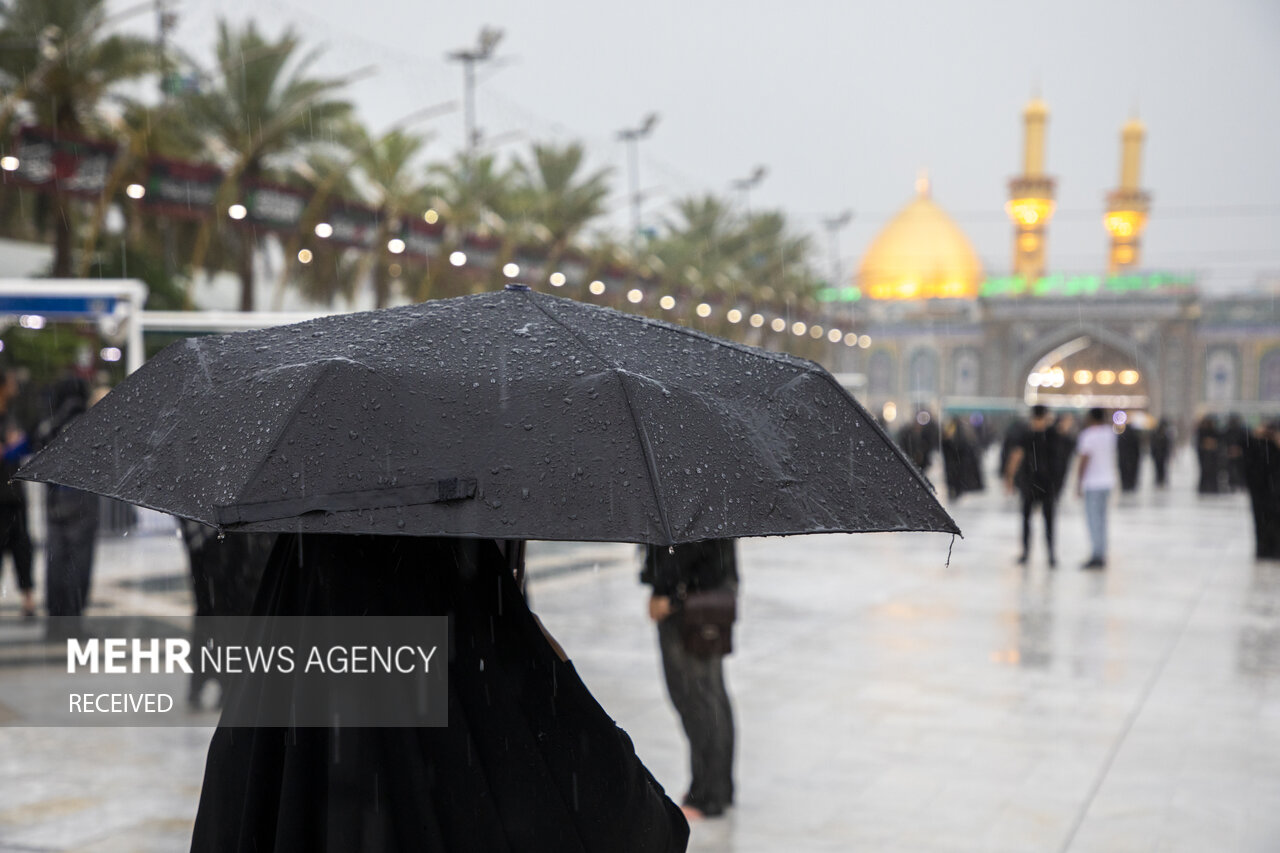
(510, 415)
(528, 762)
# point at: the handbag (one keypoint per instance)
(707, 619)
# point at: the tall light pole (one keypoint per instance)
(469, 57)
(632, 136)
(747, 184)
(834, 224)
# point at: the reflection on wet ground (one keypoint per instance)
(885, 700)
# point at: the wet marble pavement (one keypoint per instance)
(885, 699)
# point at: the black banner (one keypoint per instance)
(47, 161)
(274, 207)
(420, 239)
(353, 225)
(177, 188)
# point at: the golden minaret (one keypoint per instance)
(1031, 198)
(1127, 204)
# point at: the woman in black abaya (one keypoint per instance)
(1261, 466)
(528, 762)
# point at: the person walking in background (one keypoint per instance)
(15, 539)
(694, 604)
(1095, 478)
(1261, 467)
(1161, 448)
(1129, 456)
(1064, 431)
(1235, 436)
(961, 459)
(919, 439)
(1209, 454)
(1031, 470)
(71, 521)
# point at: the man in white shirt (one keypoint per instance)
(1095, 478)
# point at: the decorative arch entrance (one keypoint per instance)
(1089, 369)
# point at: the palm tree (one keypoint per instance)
(60, 66)
(700, 248)
(555, 197)
(475, 196)
(260, 106)
(388, 166)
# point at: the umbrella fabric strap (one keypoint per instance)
(440, 491)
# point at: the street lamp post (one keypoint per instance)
(834, 224)
(747, 184)
(632, 136)
(469, 57)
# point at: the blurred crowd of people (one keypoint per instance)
(1037, 454)
(33, 416)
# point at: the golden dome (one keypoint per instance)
(920, 254)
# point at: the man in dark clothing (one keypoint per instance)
(14, 536)
(694, 671)
(1031, 470)
(71, 520)
(1161, 449)
(529, 761)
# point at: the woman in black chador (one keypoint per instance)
(1161, 449)
(1209, 454)
(528, 762)
(1129, 457)
(1261, 466)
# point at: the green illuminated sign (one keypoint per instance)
(1085, 285)
(839, 294)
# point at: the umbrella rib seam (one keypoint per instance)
(650, 463)
(266, 457)
(911, 466)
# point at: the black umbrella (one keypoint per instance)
(510, 415)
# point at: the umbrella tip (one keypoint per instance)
(524, 287)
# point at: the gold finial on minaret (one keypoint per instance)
(1031, 197)
(922, 183)
(1034, 118)
(1127, 205)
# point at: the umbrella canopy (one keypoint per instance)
(510, 415)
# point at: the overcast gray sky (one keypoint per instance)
(844, 101)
